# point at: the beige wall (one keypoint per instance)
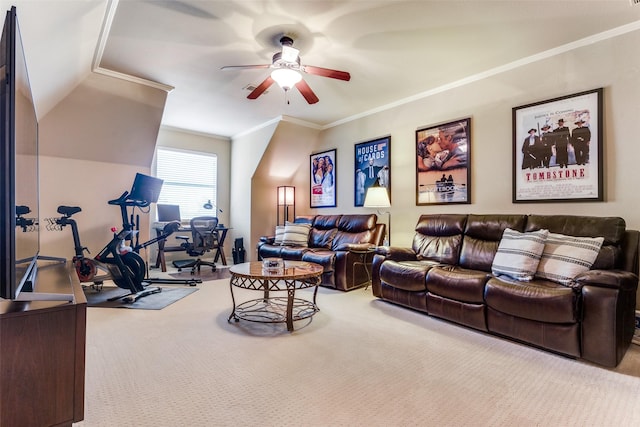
(89, 185)
(246, 153)
(91, 145)
(489, 103)
(282, 161)
(105, 119)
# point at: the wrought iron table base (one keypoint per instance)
(270, 308)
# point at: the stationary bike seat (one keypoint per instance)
(68, 210)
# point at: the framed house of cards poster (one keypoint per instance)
(557, 149)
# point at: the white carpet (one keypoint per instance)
(358, 362)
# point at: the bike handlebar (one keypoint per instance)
(123, 200)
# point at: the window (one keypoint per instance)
(190, 181)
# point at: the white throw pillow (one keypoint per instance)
(279, 235)
(564, 257)
(296, 234)
(518, 254)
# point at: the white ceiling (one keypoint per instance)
(393, 49)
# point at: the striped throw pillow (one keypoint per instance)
(296, 234)
(518, 254)
(564, 257)
(279, 235)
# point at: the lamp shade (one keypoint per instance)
(377, 197)
(286, 196)
(286, 77)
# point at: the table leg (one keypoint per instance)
(160, 259)
(291, 293)
(233, 300)
(315, 292)
(222, 235)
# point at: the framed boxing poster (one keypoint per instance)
(443, 170)
(557, 149)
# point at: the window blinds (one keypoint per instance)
(190, 180)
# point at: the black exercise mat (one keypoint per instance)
(158, 301)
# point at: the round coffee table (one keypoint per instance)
(271, 308)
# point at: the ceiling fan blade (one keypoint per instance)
(244, 67)
(326, 72)
(306, 91)
(261, 88)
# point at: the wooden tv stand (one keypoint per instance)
(42, 353)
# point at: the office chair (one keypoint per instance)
(204, 239)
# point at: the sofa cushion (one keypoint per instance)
(357, 223)
(565, 257)
(322, 238)
(439, 249)
(482, 236)
(457, 283)
(343, 240)
(519, 254)
(326, 222)
(407, 275)
(611, 228)
(325, 258)
(438, 237)
(293, 252)
(296, 234)
(540, 300)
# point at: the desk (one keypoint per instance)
(160, 259)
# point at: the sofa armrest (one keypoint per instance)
(614, 279)
(354, 247)
(268, 239)
(396, 254)
(608, 307)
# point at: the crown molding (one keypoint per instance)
(605, 35)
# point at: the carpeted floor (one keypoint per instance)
(358, 362)
(205, 274)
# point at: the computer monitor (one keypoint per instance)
(146, 188)
(167, 213)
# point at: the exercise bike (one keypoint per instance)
(117, 261)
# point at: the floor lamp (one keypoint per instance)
(286, 198)
(378, 197)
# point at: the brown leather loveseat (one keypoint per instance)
(331, 243)
(449, 273)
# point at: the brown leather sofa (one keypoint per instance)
(332, 242)
(447, 273)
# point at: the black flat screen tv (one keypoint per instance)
(19, 209)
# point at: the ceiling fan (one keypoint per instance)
(286, 72)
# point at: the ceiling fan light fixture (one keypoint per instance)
(286, 77)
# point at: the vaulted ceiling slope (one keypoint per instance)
(393, 49)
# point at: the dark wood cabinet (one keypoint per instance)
(42, 354)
